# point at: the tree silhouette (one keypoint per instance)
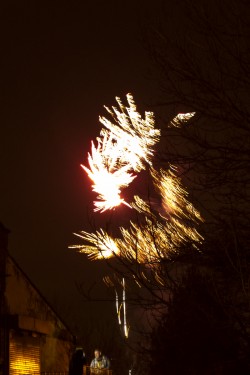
(201, 64)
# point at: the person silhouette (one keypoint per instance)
(78, 360)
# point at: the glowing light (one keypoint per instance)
(124, 147)
(24, 359)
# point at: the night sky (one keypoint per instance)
(61, 62)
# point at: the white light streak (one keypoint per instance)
(124, 309)
(117, 308)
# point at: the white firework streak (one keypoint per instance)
(108, 179)
(117, 308)
(136, 136)
(125, 326)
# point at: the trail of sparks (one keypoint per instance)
(158, 236)
(124, 147)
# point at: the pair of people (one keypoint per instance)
(100, 361)
(78, 360)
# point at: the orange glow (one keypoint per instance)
(24, 360)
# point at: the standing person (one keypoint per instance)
(77, 362)
(100, 361)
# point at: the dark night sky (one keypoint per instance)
(61, 61)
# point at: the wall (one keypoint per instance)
(32, 314)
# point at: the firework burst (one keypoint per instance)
(125, 146)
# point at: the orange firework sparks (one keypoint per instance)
(159, 235)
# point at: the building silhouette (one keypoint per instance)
(33, 339)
